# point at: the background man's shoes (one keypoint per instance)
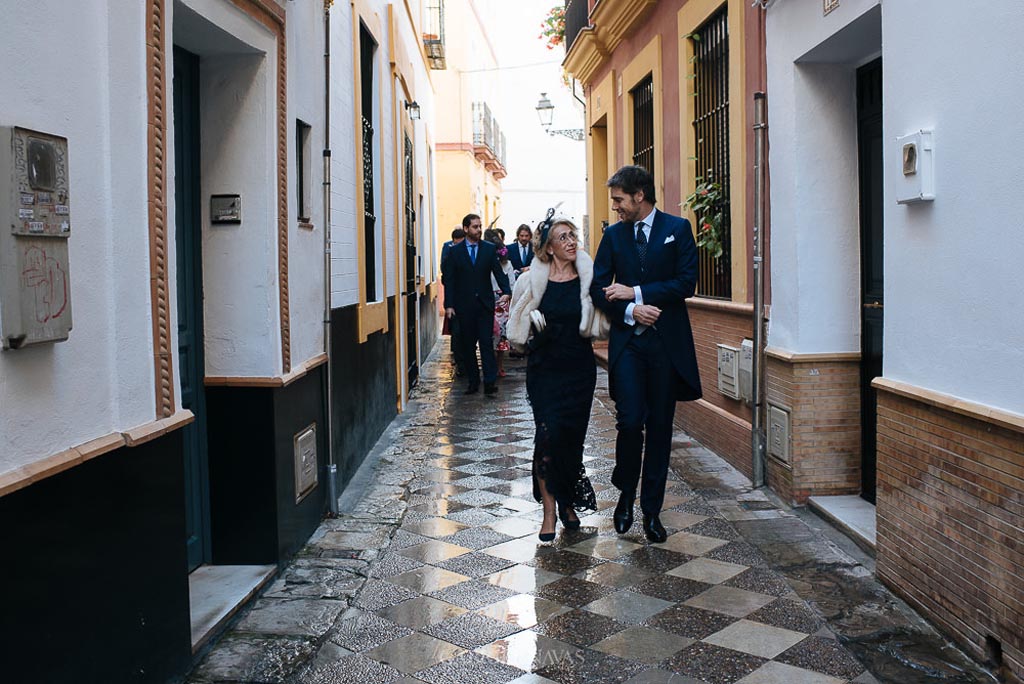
(490, 389)
(472, 390)
(623, 516)
(654, 530)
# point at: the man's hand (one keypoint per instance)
(646, 314)
(619, 292)
(524, 269)
(504, 299)
(449, 313)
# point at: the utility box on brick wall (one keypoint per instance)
(729, 371)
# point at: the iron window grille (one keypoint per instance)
(711, 137)
(367, 48)
(643, 123)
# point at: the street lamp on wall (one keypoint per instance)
(414, 110)
(546, 112)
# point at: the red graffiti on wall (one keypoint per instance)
(44, 275)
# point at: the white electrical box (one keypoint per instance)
(747, 371)
(728, 371)
(306, 471)
(778, 433)
(916, 180)
(35, 207)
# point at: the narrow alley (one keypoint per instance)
(434, 574)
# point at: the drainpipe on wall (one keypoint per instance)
(332, 467)
(757, 432)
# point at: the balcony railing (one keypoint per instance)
(577, 17)
(433, 34)
(488, 140)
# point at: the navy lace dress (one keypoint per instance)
(561, 375)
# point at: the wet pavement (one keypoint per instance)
(434, 574)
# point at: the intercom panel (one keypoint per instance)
(35, 206)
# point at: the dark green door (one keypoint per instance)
(869, 132)
(188, 238)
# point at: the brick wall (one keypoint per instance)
(951, 522)
(718, 422)
(823, 396)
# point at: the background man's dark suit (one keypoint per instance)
(651, 371)
(467, 289)
(516, 259)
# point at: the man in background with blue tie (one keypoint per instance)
(468, 297)
(645, 269)
(520, 252)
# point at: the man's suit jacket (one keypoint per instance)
(516, 259)
(446, 248)
(468, 285)
(669, 279)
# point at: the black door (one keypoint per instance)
(188, 238)
(411, 296)
(869, 133)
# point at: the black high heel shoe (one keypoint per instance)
(563, 515)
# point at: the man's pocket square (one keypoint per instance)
(670, 238)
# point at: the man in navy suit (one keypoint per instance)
(469, 298)
(520, 252)
(652, 258)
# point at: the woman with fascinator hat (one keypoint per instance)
(553, 317)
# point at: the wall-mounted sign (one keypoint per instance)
(225, 209)
(828, 6)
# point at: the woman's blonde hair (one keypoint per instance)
(539, 247)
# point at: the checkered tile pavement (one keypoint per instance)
(464, 592)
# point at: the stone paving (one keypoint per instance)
(435, 573)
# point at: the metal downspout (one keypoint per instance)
(332, 466)
(757, 433)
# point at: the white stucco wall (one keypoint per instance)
(954, 321)
(305, 41)
(952, 283)
(344, 155)
(815, 248)
(88, 85)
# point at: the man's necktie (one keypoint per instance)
(472, 253)
(522, 250)
(641, 245)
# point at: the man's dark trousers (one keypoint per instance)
(644, 385)
(476, 327)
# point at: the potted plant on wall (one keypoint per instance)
(706, 202)
(553, 27)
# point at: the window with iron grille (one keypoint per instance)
(643, 123)
(711, 138)
(367, 48)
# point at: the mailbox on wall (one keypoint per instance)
(35, 206)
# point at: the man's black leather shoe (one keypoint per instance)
(623, 517)
(472, 390)
(490, 389)
(654, 530)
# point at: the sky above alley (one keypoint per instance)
(542, 170)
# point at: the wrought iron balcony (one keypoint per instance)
(433, 34)
(577, 17)
(488, 140)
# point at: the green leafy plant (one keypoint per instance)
(706, 202)
(553, 27)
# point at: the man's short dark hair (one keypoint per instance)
(469, 219)
(634, 179)
(458, 234)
